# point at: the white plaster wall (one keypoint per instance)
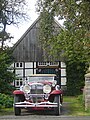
(63, 80)
(19, 72)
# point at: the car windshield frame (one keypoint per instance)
(40, 78)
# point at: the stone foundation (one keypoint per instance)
(87, 91)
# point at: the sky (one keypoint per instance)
(18, 31)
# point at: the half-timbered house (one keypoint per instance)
(28, 55)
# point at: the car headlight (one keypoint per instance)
(26, 89)
(47, 89)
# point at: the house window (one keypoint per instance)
(19, 65)
(48, 63)
(18, 82)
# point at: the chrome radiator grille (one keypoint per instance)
(37, 89)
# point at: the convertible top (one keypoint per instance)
(49, 75)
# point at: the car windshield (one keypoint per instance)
(40, 78)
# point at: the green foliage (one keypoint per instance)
(75, 52)
(46, 30)
(6, 101)
(81, 100)
(75, 78)
(75, 40)
(76, 106)
(72, 45)
(6, 76)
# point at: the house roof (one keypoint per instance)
(31, 51)
(16, 44)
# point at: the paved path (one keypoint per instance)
(44, 115)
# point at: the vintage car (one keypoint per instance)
(39, 92)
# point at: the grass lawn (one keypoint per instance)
(76, 106)
(6, 111)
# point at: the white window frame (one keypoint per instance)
(48, 63)
(19, 80)
(20, 65)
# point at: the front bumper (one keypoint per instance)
(26, 104)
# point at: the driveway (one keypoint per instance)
(44, 115)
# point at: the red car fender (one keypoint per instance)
(56, 92)
(17, 92)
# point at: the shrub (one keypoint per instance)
(6, 101)
(75, 77)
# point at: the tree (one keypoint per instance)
(73, 43)
(11, 12)
(46, 27)
(77, 24)
(6, 76)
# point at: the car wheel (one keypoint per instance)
(17, 110)
(57, 110)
